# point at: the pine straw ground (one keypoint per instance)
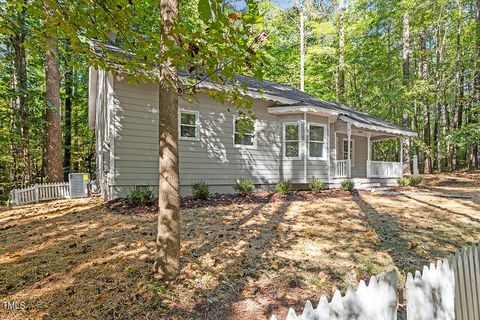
(74, 259)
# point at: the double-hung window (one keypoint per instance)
(188, 125)
(244, 132)
(291, 138)
(317, 141)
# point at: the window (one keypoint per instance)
(291, 135)
(188, 126)
(352, 150)
(244, 132)
(317, 141)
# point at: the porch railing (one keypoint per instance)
(341, 168)
(384, 169)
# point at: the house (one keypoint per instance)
(294, 137)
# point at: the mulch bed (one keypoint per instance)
(121, 206)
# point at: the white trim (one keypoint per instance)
(197, 125)
(325, 140)
(378, 128)
(329, 151)
(306, 149)
(109, 83)
(353, 150)
(284, 142)
(243, 146)
(369, 153)
(301, 109)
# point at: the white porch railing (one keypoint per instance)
(39, 192)
(341, 168)
(384, 169)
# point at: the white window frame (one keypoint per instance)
(325, 140)
(297, 123)
(197, 125)
(243, 146)
(353, 150)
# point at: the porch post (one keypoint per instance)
(401, 155)
(349, 160)
(369, 157)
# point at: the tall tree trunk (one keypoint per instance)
(426, 108)
(439, 115)
(23, 118)
(167, 262)
(341, 49)
(458, 106)
(302, 46)
(54, 163)
(475, 114)
(68, 115)
(406, 83)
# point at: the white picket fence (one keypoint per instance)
(378, 300)
(39, 192)
(430, 294)
(466, 267)
(445, 291)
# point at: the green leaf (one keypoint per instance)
(204, 10)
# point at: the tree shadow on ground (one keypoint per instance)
(389, 231)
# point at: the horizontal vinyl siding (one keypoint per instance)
(213, 159)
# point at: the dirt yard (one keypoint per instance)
(73, 259)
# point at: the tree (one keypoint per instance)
(167, 262)
(341, 50)
(406, 83)
(21, 112)
(53, 155)
(68, 112)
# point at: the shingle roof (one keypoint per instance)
(270, 88)
(277, 89)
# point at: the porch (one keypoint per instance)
(354, 157)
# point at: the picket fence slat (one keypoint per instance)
(39, 192)
(378, 300)
(447, 290)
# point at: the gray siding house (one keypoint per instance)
(294, 137)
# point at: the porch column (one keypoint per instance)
(349, 141)
(401, 155)
(369, 157)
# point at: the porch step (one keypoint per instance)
(367, 185)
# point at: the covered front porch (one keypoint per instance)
(358, 155)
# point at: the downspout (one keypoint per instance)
(305, 174)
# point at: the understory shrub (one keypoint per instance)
(409, 181)
(141, 195)
(317, 185)
(403, 181)
(201, 190)
(415, 181)
(244, 186)
(284, 186)
(346, 185)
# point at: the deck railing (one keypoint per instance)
(384, 169)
